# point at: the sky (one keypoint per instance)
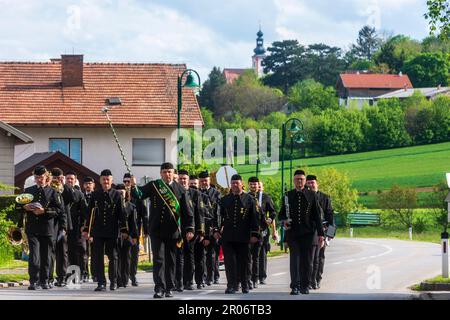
(200, 33)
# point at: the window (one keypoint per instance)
(149, 152)
(69, 147)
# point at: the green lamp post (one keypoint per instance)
(296, 135)
(189, 83)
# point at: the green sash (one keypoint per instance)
(169, 198)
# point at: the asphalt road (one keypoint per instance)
(355, 269)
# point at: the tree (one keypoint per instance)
(436, 204)
(309, 94)
(439, 17)
(323, 64)
(336, 184)
(387, 125)
(283, 63)
(396, 51)
(428, 70)
(216, 79)
(367, 43)
(248, 97)
(401, 203)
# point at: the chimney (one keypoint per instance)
(72, 70)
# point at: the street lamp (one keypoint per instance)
(189, 83)
(296, 135)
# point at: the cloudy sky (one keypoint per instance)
(200, 33)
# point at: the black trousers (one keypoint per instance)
(199, 258)
(300, 262)
(134, 261)
(123, 274)
(93, 263)
(255, 251)
(108, 245)
(164, 258)
(77, 252)
(62, 258)
(188, 262)
(315, 251)
(212, 261)
(51, 276)
(265, 248)
(321, 264)
(179, 265)
(236, 255)
(39, 258)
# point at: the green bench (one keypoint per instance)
(363, 219)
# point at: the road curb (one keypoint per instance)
(425, 286)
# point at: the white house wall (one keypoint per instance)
(99, 149)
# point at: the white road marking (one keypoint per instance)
(388, 251)
(207, 292)
(278, 274)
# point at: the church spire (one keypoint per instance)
(259, 50)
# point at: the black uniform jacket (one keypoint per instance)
(142, 216)
(54, 217)
(304, 211)
(75, 204)
(106, 214)
(238, 216)
(198, 206)
(162, 222)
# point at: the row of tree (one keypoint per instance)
(389, 124)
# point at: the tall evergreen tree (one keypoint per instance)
(216, 79)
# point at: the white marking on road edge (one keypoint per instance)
(278, 274)
(207, 292)
(340, 262)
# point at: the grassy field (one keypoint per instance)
(420, 166)
(370, 201)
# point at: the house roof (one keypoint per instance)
(50, 159)
(232, 74)
(426, 92)
(31, 94)
(16, 132)
(375, 81)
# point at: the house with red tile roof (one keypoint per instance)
(360, 87)
(59, 104)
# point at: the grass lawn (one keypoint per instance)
(13, 264)
(438, 279)
(419, 166)
(433, 235)
(13, 277)
(145, 266)
(370, 201)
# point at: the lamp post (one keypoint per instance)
(296, 136)
(189, 83)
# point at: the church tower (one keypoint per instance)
(260, 54)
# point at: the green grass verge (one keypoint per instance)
(419, 166)
(13, 277)
(435, 280)
(275, 253)
(145, 266)
(433, 236)
(13, 264)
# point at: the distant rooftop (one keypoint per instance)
(406, 93)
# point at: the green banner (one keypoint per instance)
(169, 198)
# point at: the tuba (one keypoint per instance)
(16, 236)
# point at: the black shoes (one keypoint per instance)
(113, 286)
(255, 284)
(208, 283)
(100, 287)
(60, 283)
(169, 294)
(33, 286)
(180, 289)
(304, 291)
(230, 291)
(262, 281)
(216, 281)
(189, 287)
(295, 291)
(45, 286)
(250, 286)
(199, 286)
(245, 290)
(134, 283)
(158, 295)
(318, 285)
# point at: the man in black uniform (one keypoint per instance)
(124, 245)
(266, 213)
(106, 217)
(77, 208)
(300, 215)
(239, 227)
(202, 242)
(142, 227)
(40, 219)
(326, 211)
(171, 219)
(88, 189)
(212, 245)
(185, 256)
(60, 247)
(268, 209)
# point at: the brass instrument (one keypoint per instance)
(16, 235)
(57, 185)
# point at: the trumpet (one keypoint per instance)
(16, 236)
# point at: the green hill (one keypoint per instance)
(420, 166)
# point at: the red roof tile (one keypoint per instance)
(31, 94)
(380, 81)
